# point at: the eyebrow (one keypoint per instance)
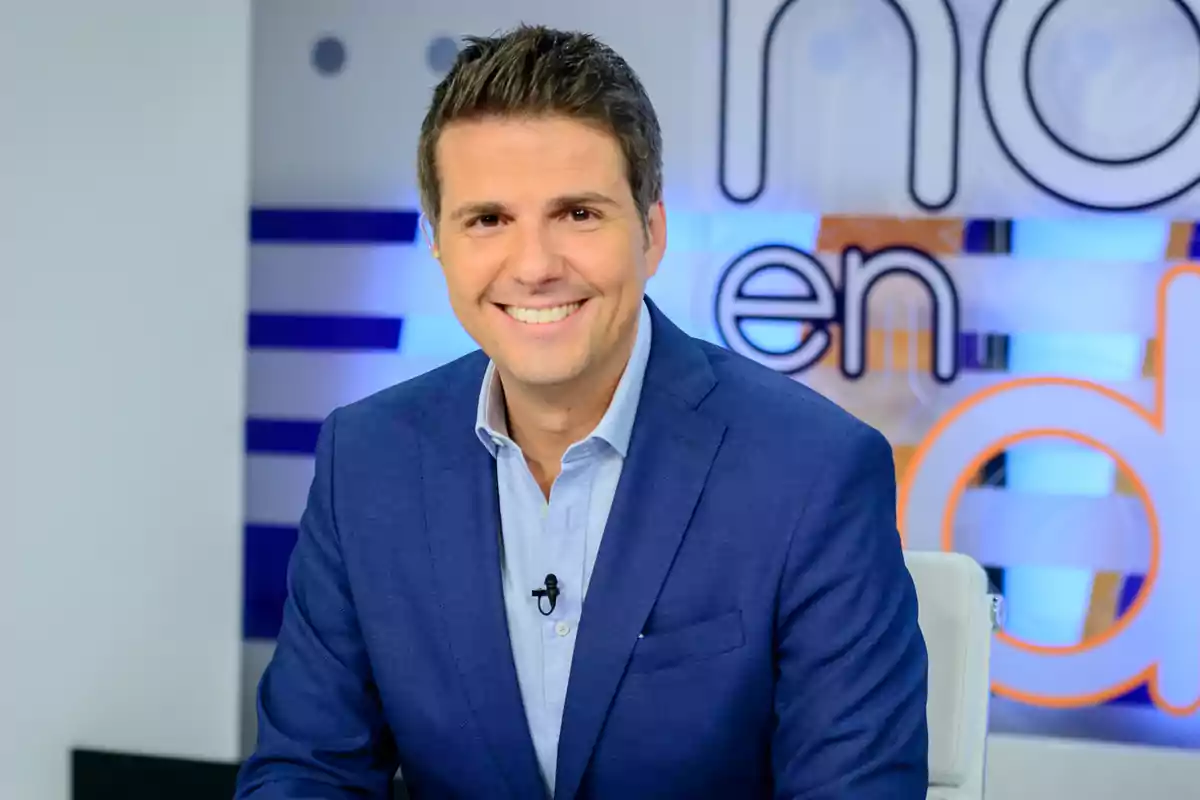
(487, 207)
(583, 199)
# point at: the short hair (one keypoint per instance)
(534, 71)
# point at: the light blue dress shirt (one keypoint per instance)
(561, 536)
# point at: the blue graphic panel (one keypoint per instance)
(286, 437)
(313, 332)
(267, 551)
(332, 226)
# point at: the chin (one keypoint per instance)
(541, 363)
(541, 366)
(544, 375)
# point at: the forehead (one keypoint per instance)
(498, 157)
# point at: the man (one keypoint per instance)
(599, 559)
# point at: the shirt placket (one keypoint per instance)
(564, 539)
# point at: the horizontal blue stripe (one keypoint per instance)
(976, 351)
(332, 226)
(267, 551)
(282, 436)
(314, 332)
(985, 237)
(1107, 238)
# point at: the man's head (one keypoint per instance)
(540, 169)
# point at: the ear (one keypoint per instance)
(430, 237)
(656, 237)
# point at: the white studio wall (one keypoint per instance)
(1024, 172)
(123, 195)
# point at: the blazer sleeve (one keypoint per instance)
(321, 729)
(852, 664)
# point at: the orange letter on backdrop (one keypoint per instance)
(1158, 640)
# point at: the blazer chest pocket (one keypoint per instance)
(695, 642)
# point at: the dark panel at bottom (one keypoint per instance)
(97, 775)
(104, 776)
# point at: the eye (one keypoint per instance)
(485, 221)
(582, 215)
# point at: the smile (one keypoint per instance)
(542, 316)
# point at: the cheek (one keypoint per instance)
(609, 268)
(467, 279)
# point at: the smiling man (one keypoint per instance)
(597, 558)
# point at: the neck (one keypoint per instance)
(544, 427)
(545, 420)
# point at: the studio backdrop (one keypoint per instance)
(967, 221)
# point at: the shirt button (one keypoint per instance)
(562, 628)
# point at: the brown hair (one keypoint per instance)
(533, 71)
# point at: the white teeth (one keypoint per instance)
(541, 316)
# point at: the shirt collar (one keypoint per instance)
(615, 427)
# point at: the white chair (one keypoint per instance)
(957, 617)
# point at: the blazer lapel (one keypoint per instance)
(462, 523)
(671, 451)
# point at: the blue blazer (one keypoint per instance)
(750, 630)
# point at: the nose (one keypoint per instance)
(535, 259)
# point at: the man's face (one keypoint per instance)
(545, 255)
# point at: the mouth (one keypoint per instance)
(542, 316)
